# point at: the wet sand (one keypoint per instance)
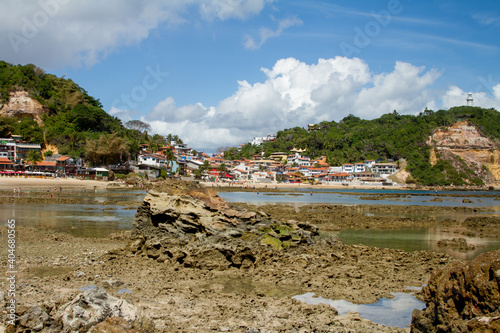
(9, 183)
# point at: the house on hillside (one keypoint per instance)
(366, 176)
(359, 167)
(152, 159)
(279, 156)
(241, 174)
(369, 163)
(44, 166)
(65, 165)
(93, 174)
(6, 164)
(384, 168)
(182, 149)
(337, 177)
(348, 167)
(8, 149)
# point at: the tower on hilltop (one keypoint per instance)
(469, 99)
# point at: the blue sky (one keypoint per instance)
(217, 73)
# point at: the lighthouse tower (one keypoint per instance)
(469, 99)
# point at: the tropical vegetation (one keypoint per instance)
(390, 137)
(75, 122)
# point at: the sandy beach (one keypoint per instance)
(8, 183)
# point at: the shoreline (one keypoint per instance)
(8, 183)
(355, 186)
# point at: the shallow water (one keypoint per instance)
(418, 240)
(82, 220)
(395, 312)
(489, 199)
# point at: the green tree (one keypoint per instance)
(33, 157)
(170, 157)
(222, 170)
(107, 149)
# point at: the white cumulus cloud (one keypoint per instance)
(294, 94)
(455, 96)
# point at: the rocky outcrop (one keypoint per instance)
(459, 244)
(463, 144)
(461, 135)
(22, 105)
(463, 297)
(190, 225)
(93, 307)
(93, 310)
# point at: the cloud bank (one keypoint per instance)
(295, 94)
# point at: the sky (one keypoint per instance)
(218, 73)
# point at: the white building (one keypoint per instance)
(348, 167)
(384, 168)
(257, 141)
(359, 167)
(152, 160)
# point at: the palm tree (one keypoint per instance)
(206, 165)
(33, 157)
(198, 173)
(222, 170)
(169, 156)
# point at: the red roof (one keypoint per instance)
(63, 158)
(43, 163)
(5, 160)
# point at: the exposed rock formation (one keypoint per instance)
(459, 244)
(461, 135)
(22, 105)
(193, 226)
(463, 141)
(92, 307)
(462, 298)
(93, 310)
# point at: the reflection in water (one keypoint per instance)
(395, 312)
(418, 240)
(82, 220)
(366, 197)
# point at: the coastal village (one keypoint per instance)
(180, 160)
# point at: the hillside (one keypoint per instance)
(52, 111)
(394, 136)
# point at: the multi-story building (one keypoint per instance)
(384, 168)
(16, 150)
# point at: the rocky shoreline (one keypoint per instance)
(235, 271)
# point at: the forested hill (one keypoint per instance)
(71, 116)
(74, 122)
(392, 136)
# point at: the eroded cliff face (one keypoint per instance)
(463, 140)
(22, 105)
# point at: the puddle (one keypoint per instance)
(395, 312)
(122, 291)
(93, 286)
